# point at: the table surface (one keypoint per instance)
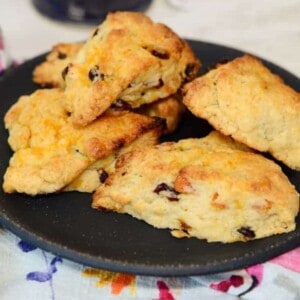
(269, 29)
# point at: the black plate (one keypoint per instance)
(66, 225)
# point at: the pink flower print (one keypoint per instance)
(1, 41)
(257, 272)
(164, 291)
(289, 260)
(224, 285)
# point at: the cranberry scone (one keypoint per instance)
(48, 74)
(128, 58)
(205, 188)
(97, 173)
(244, 100)
(49, 153)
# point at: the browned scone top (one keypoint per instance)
(48, 73)
(205, 188)
(243, 99)
(128, 57)
(50, 153)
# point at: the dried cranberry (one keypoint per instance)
(247, 232)
(172, 194)
(161, 187)
(95, 75)
(119, 144)
(96, 32)
(173, 197)
(161, 55)
(61, 55)
(103, 175)
(65, 72)
(160, 84)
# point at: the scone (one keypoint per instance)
(202, 188)
(243, 99)
(48, 73)
(97, 173)
(128, 58)
(50, 153)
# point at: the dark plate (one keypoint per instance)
(66, 225)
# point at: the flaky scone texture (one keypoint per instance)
(128, 57)
(49, 72)
(243, 99)
(205, 188)
(50, 153)
(96, 174)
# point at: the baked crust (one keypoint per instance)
(205, 188)
(95, 175)
(128, 57)
(243, 99)
(48, 73)
(50, 153)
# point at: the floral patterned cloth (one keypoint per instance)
(31, 273)
(5, 60)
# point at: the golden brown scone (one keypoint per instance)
(205, 188)
(245, 100)
(96, 174)
(171, 109)
(48, 73)
(50, 153)
(128, 57)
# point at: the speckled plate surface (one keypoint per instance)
(66, 225)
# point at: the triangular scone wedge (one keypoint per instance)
(48, 73)
(202, 188)
(50, 153)
(243, 99)
(128, 57)
(96, 174)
